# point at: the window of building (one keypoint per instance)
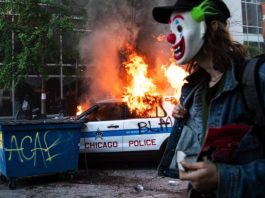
(250, 19)
(253, 25)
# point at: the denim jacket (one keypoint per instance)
(246, 176)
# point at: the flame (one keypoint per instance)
(140, 90)
(175, 76)
(141, 93)
(81, 108)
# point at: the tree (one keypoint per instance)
(28, 31)
(30, 38)
(253, 51)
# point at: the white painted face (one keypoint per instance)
(186, 37)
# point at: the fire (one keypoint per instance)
(141, 93)
(175, 76)
(81, 108)
(140, 90)
(141, 84)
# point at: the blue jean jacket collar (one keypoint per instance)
(231, 82)
(198, 77)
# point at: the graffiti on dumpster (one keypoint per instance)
(31, 148)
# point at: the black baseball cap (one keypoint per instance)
(162, 14)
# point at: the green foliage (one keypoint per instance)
(29, 36)
(253, 51)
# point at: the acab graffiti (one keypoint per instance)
(33, 148)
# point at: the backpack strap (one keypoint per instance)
(250, 89)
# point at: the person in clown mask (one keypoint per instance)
(201, 41)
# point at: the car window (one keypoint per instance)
(91, 117)
(106, 112)
(155, 112)
(88, 115)
(119, 111)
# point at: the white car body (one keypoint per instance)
(125, 134)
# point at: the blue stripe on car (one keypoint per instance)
(127, 132)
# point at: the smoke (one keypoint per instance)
(113, 23)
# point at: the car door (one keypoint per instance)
(147, 133)
(103, 132)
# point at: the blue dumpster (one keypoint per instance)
(29, 148)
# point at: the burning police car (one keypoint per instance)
(111, 127)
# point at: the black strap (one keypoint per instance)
(250, 90)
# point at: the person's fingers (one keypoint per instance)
(186, 176)
(192, 175)
(202, 175)
(193, 166)
(178, 116)
(177, 108)
(174, 112)
(179, 111)
(182, 110)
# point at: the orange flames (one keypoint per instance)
(175, 76)
(141, 92)
(81, 108)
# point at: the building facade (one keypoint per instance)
(246, 23)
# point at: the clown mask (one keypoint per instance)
(186, 37)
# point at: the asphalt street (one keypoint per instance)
(124, 180)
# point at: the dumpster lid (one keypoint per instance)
(33, 122)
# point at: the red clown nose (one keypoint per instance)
(171, 38)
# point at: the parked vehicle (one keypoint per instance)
(112, 128)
